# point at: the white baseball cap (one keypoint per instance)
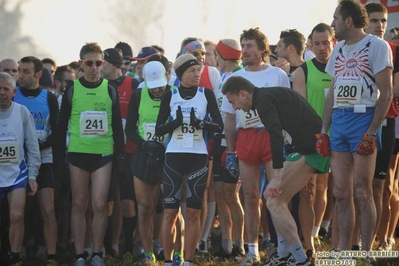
(154, 74)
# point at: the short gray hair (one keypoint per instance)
(5, 77)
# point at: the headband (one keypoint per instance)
(226, 52)
(191, 46)
(180, 71)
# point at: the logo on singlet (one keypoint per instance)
(352, 63)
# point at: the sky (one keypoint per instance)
(60, 28)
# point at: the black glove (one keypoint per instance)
(194, 122)
(179, 115)
(156, 154)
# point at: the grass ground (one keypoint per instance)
(66, 258)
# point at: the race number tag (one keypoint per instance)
(186, 134)
(249, 119)
(149, 133)
(93, 124)
(9, 151)
(188, 140)
(347, 91)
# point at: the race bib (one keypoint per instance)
(187, 134)
(93, 124)
(249, 119)
(347, 91)
(9, 151)
(149, 133)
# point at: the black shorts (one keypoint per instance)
(396, 147)
(384, 155)
(219, 173)
(45, 178)
(142, 171)
(87, 161)
(194, 168)
(126, 184)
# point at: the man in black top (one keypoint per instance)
(275, 108)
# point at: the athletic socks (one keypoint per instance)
(227, 245)
(283, 250)
(298, 252)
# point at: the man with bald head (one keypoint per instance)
(9, 66)
(228, 58)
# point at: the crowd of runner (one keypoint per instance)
(288, 148)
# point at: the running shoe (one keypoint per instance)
(80, 262)
(250, 259)
(276, 260)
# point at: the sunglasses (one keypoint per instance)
(197, 53)
(90, 63)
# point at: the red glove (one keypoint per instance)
(323, 144)
(366, 145)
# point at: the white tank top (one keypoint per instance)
(185, 138)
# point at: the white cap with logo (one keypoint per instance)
(154, 74)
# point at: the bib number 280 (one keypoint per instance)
(347, 91)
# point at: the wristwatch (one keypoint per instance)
(201, 124)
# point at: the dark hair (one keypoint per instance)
(49, 61)
(90, 47)
(59, 72)
(125, 48)
(322, 27)
(74, 65)
(37, 64)
(295, 38)
(235, 84)
(162, 59)
(355, 10)
(159, 48)
(260, 38)
(375, 7)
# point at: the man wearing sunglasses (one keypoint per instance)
(91, 104)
